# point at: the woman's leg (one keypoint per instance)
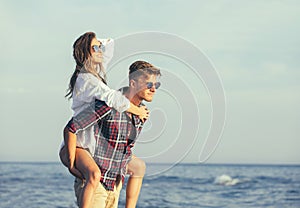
(64, 159)
(91, 172)
(136, 168)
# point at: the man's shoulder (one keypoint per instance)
(123, 90)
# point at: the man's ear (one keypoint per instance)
(132, 83)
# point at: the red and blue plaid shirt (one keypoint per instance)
(115, 135)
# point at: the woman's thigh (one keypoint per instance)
(85, 162)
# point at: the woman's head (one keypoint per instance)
(82, 48)
(88, 57)
(87, 52)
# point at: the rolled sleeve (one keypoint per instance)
(109, 51)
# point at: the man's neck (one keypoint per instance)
(132, 97)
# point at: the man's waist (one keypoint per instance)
(110, 180)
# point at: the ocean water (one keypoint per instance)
(49, 185)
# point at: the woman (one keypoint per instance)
(87, 84)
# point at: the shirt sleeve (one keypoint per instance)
(89, 88)
(109, 45)
(89, 116)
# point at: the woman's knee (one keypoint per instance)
(94, 177)
(95, 174)
(64, 157)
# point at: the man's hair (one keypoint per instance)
(142, 68)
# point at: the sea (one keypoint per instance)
(49, 185)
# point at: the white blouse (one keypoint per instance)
(88, 88)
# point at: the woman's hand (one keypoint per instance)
(144, 113)
(75, 172)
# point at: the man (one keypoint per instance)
(115, 135)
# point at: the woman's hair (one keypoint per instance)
(83, 58)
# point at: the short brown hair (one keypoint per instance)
(142, 68)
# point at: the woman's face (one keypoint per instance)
(96, 51)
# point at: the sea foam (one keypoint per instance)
(226, 180)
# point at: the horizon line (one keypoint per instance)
(168, 163)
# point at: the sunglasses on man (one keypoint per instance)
(151, 84)
(99, 48)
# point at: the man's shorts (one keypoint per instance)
(102, 197)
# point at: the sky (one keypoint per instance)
(249, 49)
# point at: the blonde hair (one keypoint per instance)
(96, 70)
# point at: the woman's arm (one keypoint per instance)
(89, 88)
(117, 100)
(70, 145)
(68, 152)
(109, 51)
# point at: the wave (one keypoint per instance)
(177, 179)
(272, 179)
(226, 180)
(243, 182)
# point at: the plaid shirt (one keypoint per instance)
(115, 135)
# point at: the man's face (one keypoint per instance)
(145, 87)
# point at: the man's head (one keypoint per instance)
(143, 82)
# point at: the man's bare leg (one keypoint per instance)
(136, 167)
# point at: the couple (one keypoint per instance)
(105, 125)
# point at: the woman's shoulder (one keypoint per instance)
(86, 77)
